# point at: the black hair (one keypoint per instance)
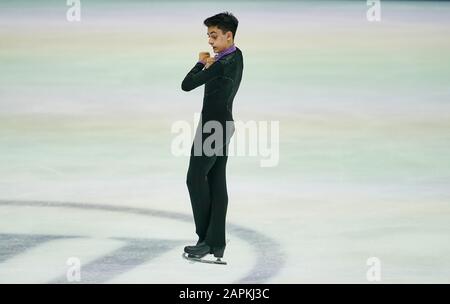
(225, 21)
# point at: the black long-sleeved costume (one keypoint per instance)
(222, 80)
(206, 178)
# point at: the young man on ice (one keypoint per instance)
(206, 179)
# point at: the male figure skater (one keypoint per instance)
(206, 180)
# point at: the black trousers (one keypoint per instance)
(206, 182)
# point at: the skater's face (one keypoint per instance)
(219, 40)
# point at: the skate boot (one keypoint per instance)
(196, 253)
(203, 249)
(188, 248)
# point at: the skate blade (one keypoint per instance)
(202, 260)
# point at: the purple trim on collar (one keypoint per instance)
(227, 51)
(219, 55)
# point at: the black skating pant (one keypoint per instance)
(206, 182)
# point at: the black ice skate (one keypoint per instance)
(199, 242)
(197, 253)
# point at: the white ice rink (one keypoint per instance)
(86, 169)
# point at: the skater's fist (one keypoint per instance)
(209, 61)
(202, 56)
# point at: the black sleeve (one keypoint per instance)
(196, 76)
